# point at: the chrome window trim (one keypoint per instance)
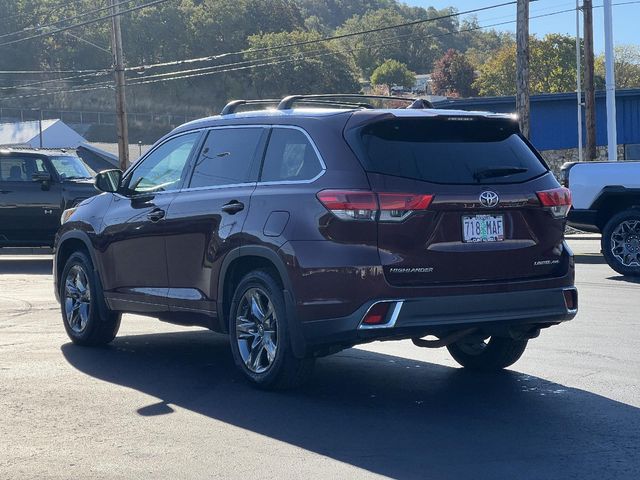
(323, 166)
(217, 187)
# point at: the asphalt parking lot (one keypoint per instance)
(167, 402)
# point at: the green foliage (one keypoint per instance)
(453, 76)
(393, 72)
(627, 67)
(313, 68)
(552, 70)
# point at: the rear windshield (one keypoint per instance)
(457, 151)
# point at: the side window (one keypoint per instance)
(290, 157)
(165, 167)
(17, 169)
(227, 157)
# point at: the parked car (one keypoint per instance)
(322, 224)
(606, 199)
(36, 186)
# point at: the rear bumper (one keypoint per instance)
(418, 317)
(583, 219)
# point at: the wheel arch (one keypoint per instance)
(613, 200)
(241, 261)
(71, 242)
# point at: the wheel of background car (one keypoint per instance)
(494, 353)
(86, 319)
(621, 242)
(259, 334)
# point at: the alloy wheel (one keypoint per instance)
(77, 299)
(625, 243)
(257, 330)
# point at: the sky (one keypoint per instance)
(625, 17)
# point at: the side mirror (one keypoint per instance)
(109, 180)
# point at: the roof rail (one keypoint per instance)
(232, 106)
(289, 101)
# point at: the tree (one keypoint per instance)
(627, 67)
(453, 75)
(313, 68)
(392, 72)
(553, 67)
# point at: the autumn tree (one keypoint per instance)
(453, 76)
(627, 67)
(553, 67)
(393, 72)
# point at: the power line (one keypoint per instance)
(64, 20)
(180, 75)
(82, 24)
(185, 74)
(319, 40)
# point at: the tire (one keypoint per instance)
(259, 335)
(495, 354)
(621, 242)
(85, 316)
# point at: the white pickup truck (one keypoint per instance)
(606, 199)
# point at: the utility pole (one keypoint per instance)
(610, 80)
(121, 114)
(589, 85)
(522, 67)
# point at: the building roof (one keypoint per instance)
(55, 134)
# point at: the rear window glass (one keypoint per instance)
(446, 151)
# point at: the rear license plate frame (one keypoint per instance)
(483, 233)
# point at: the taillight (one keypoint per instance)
(350, 205)
(398, 206)
(364, 205)
(557, 200)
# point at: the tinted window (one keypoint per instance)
(227, 157)
(164, 168)
(17, 169)
(290, 156)
(447, 151)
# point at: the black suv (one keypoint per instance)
(36, 186)
(303, 230)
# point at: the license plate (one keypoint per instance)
(483, 228)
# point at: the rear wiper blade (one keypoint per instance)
(497, 172)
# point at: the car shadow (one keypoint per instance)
(627, 279)
(26, 266)
(389, 415)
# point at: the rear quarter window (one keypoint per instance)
(437, 150)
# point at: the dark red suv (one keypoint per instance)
(325, 223)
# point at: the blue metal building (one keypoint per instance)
(554, 117)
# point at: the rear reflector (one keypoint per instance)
(377, 315)
(557, 200)
(364, 205)
(571, 299)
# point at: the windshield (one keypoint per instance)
(69, 167)
(441, 150)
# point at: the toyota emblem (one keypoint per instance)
(489, 199)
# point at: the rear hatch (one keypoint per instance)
(461, 199)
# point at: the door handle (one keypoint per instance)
(233, 207)
(5, 191)
(156, 215)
